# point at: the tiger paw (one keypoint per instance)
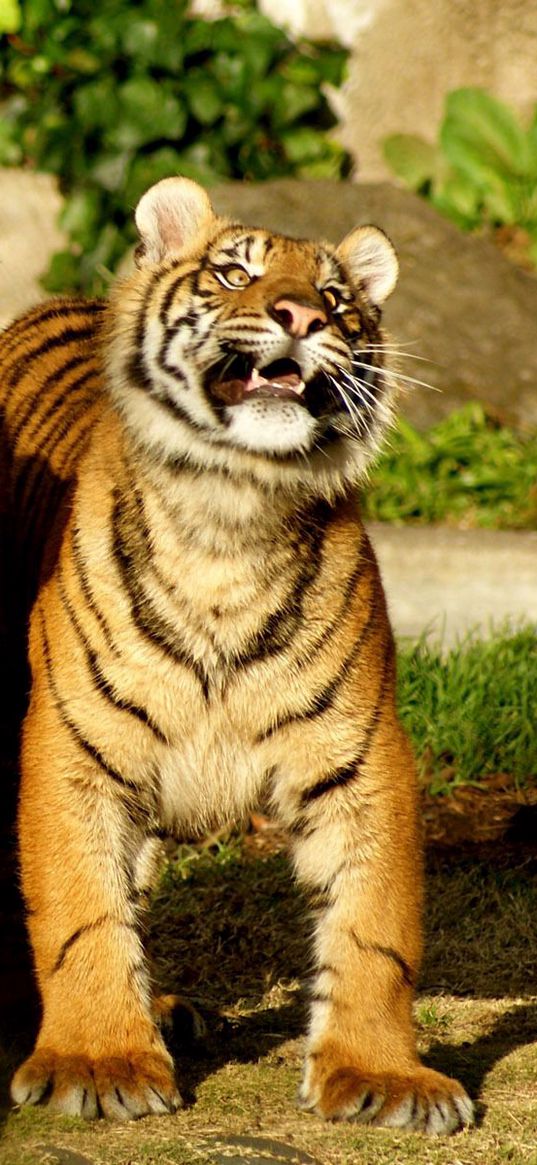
(424, 1101)
(117, 1087)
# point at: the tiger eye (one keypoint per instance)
(235, 276)
(330, 299)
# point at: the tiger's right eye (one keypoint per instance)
(233, 276)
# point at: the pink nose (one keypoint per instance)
(297, 318)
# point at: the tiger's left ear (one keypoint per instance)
(370, 260)
(169, 216)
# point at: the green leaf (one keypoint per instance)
(63, 273)
(10, 147)
(487, 129)
(203, 96)
(10, 16)
(109, 170)
(331, 63)
(411, 158)
(96, 104)
(82, 61)
(458, 199)
(303, 144)
(498, 190)
(147, 111)
(80, 215)
(292, 102)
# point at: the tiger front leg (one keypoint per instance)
(356, 849)
(98, 1051)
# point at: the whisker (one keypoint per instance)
(359, 386)
(356, 416)
(413, 380)
(394, 372)
(392, 351)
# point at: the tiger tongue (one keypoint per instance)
(288, 380)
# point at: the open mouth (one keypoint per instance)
(237, 379)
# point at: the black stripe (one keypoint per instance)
(328, 968)
(53, 310)
(363, 562)
(347, 773)
(408, 975)
(101, 683)
(24, 363)
(324, 699)
(334, 780)
(51, 381)
(73, 729)
(32, 538)
(177, 411)
(280, 629)
(170, 296)
(82, 930)
(180, 463)
(137, 373)
(87, 593)
(147, 620)
(59, 401)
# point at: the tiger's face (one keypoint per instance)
(253, 345)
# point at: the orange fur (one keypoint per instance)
(208, 626)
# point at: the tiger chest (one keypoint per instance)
(223, 747)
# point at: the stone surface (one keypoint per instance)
(451, 582)
(29, 235)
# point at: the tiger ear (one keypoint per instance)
(371, 262)
(169, 216)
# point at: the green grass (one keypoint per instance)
(471, 711)
(466, 471)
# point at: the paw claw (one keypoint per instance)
(121, 1088)
(425, 1100)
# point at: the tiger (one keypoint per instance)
(208, 632)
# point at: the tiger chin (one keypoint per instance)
(208, 628)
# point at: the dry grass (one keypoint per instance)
(228, 927)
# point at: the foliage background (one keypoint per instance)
(112, 95)
(483, 169)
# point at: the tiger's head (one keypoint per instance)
(237, 347)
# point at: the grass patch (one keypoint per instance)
(466, 471)
(470, 711)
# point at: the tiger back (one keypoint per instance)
(208, 628)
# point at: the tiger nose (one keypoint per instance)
(298, 318)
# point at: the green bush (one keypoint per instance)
(112, 95)
(483, 170)
(467, 470)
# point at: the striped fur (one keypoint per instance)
(208, 627)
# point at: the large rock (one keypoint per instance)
(29, 235)
(460, 303)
